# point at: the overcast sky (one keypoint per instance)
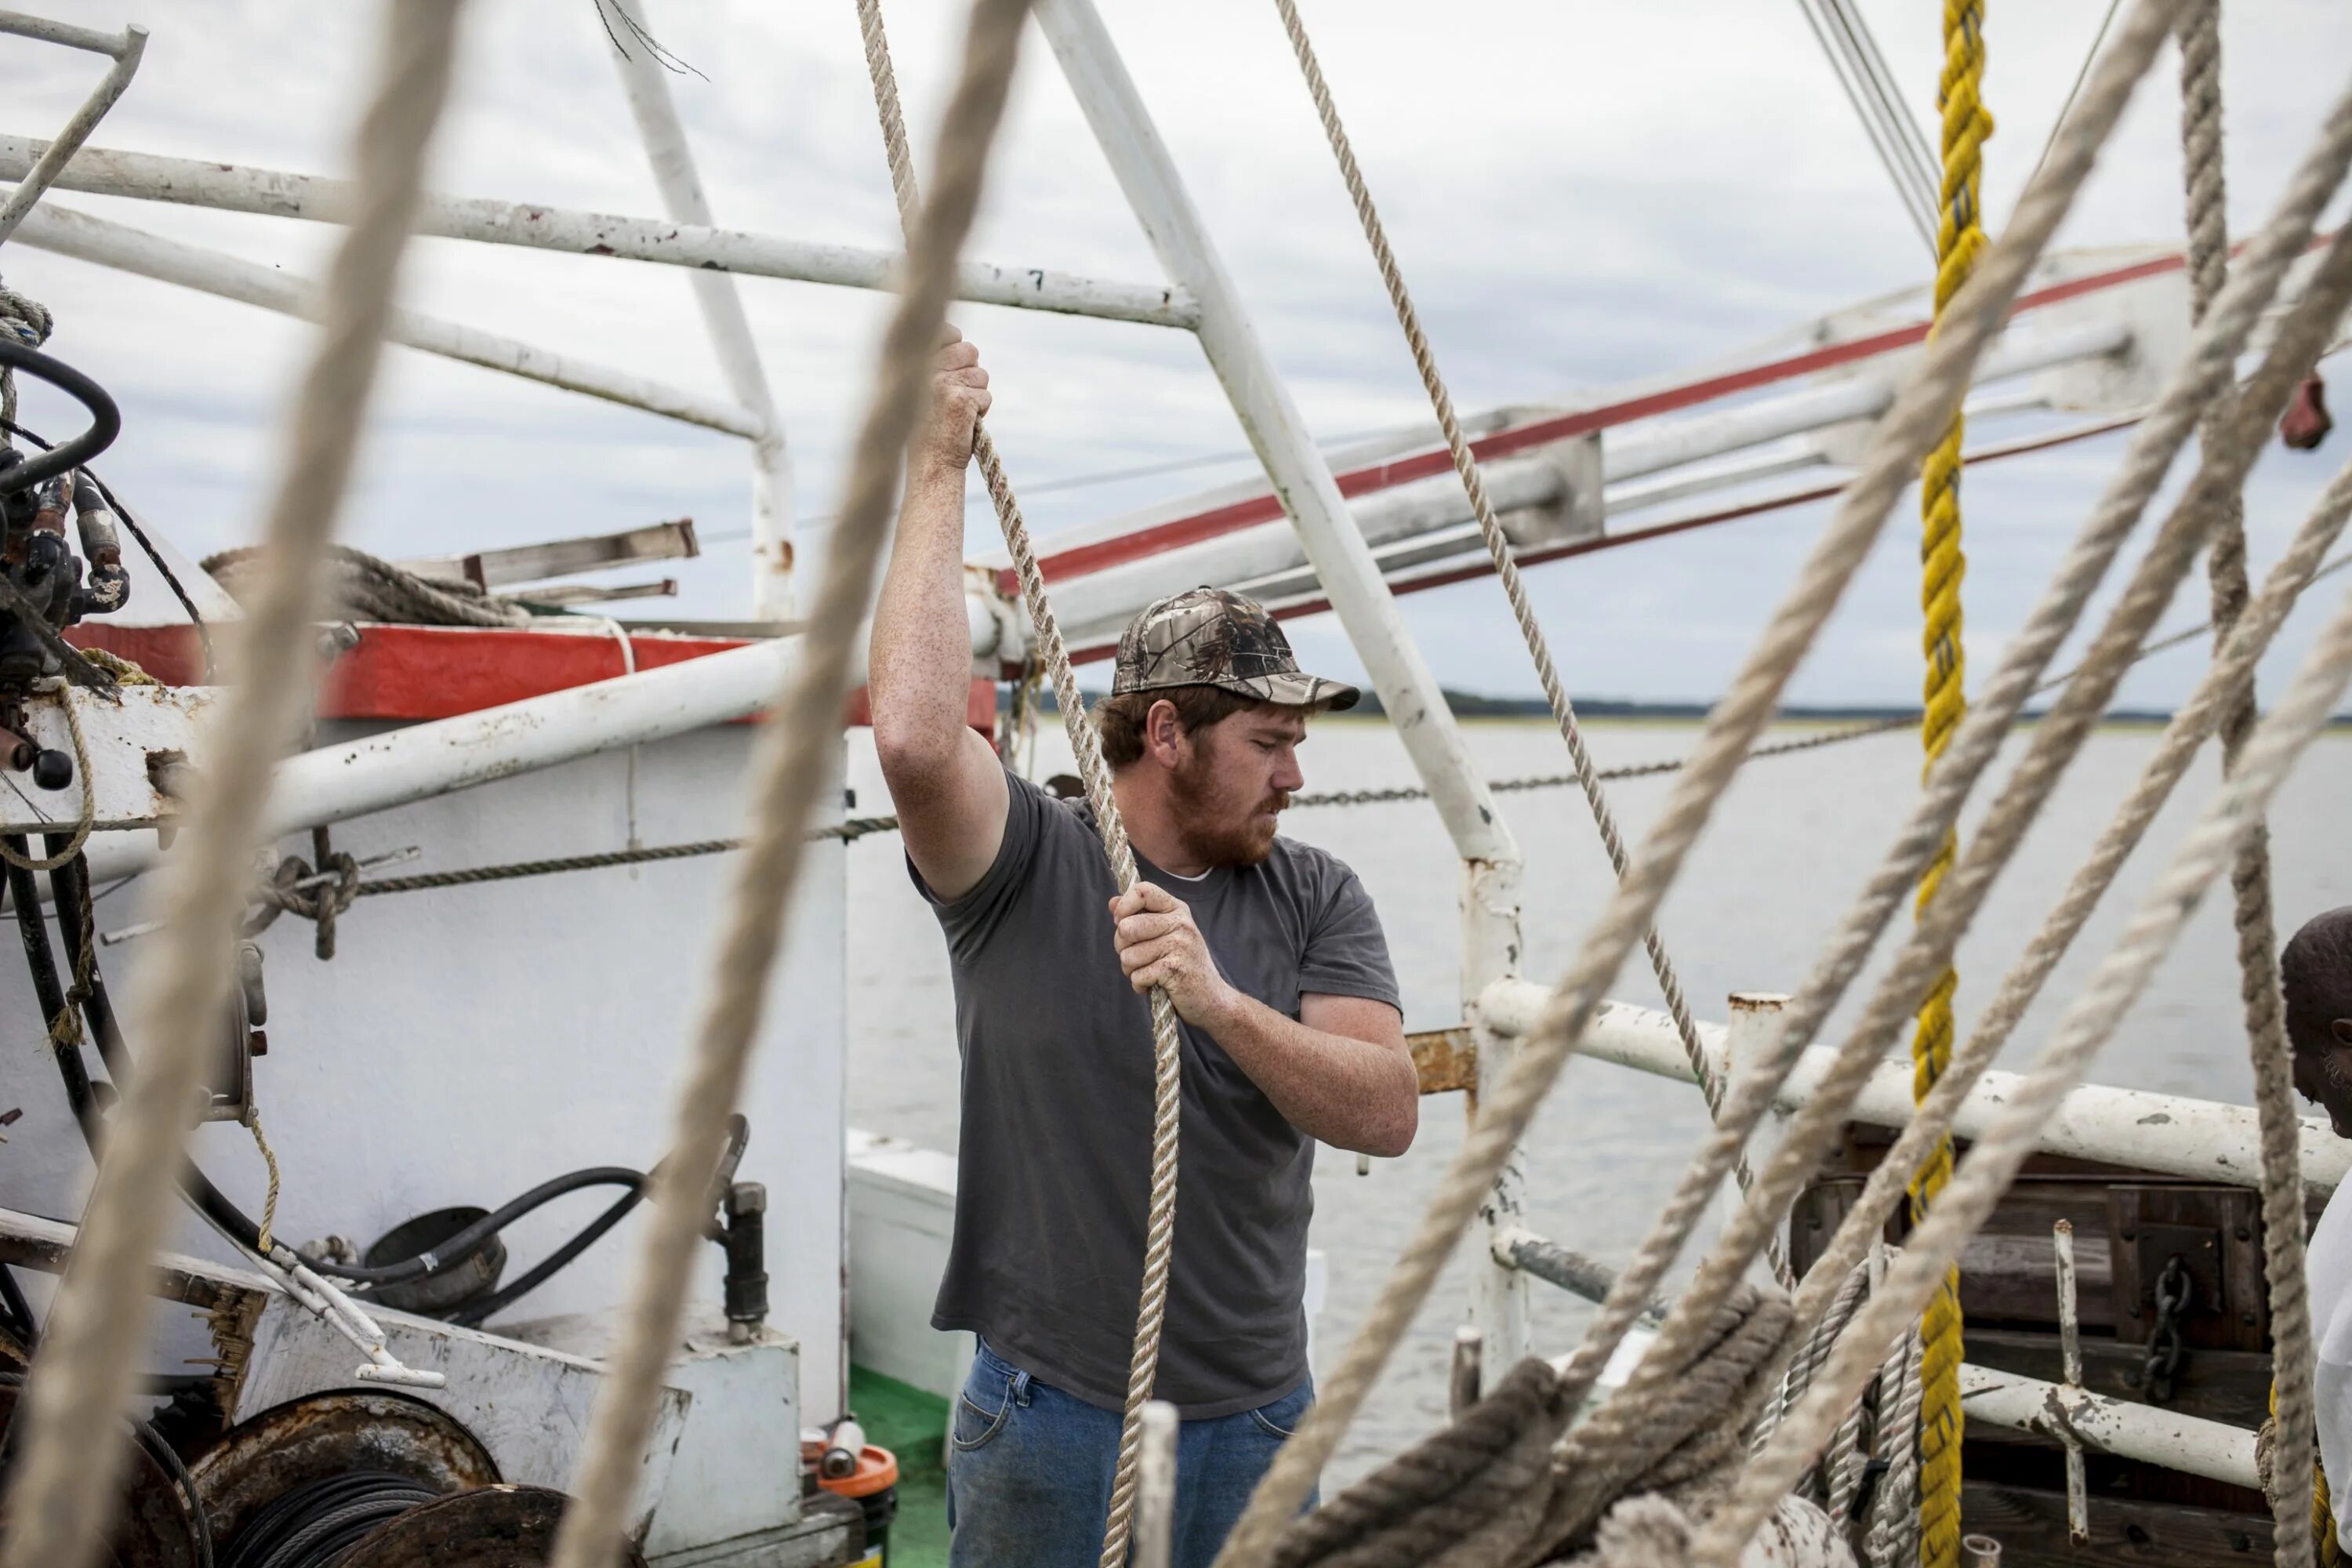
(1580, 193)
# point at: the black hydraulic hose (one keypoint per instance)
(173, 1466)
(481, 1309)
(51, 996)
(12, 1296)
(139, 531)
(105, 419)
(70, 887)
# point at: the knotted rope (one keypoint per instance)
(1921, 413)
(1167, 1061)
(72, 1455)
(1959, 240)
(31, 322)
(1506, 567)
(2202, 374)
(793, 770)
(2250, 877)
(284, 894)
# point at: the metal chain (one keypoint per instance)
(2175, 1292)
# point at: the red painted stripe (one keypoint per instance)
(1081, 559)
(412, 673)
(1485, 568)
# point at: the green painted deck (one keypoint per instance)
(912, 1424)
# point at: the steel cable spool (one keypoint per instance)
(318, 1521)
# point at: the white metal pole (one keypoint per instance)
(110, 244)
(647, 81)
(1139, 161)
(2070, 1366)
(275, 193)
(2168, 1133)
(125, 49)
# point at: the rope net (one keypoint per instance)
(1921, 416)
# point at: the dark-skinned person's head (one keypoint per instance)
(1208, 701)
(2315, 974)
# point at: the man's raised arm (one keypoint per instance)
(947, 784)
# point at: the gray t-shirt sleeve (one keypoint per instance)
(971, 919)
(1347, 954)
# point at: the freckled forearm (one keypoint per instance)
(1358, 1095)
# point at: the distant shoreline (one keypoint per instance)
(1470, 706)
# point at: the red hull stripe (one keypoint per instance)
(1084, 558)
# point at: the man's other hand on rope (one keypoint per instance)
(1341, 1071)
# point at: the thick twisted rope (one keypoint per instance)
(1167, 1056)
(60, 1499)
(2203, 373)
(1920, 414)
(1960, 239)
(1506, 567)
(1892, 1540)
(29, 321)
(792, 771)
(2301, 713)
(2294, 1500)
(2176, 749)
(2333, 289)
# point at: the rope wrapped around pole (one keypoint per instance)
(59, 1499)
(1919, 416)
(1506, 569)
(1960, 239)
(1094, 774)
(791, 771)
(2294, 1500)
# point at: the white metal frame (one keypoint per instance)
(1199, 295)
(124, 49)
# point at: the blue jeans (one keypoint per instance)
(1029, 1470)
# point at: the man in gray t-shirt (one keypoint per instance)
(1273, 955)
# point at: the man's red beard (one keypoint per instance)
(1219, 838)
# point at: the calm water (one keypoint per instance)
(1790, 847)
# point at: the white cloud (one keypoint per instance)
(1580, 194)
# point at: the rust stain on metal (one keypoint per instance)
(267, 1455)
(1445, 1059)
(497, 1527)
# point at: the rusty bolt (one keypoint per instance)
(257, 1042)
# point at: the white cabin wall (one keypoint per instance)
(466, 1044)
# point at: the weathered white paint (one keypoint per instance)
(387, 767)
(125, 48)
(2149, 1433)
(468, 1044)
(647, 81)
(735, 1471)
(2169, 1134)
(527, 1405)
(238, 188)
(110, 244)
(121, 732)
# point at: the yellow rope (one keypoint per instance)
(1961, 238)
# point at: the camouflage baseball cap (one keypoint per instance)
(1206, 637)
